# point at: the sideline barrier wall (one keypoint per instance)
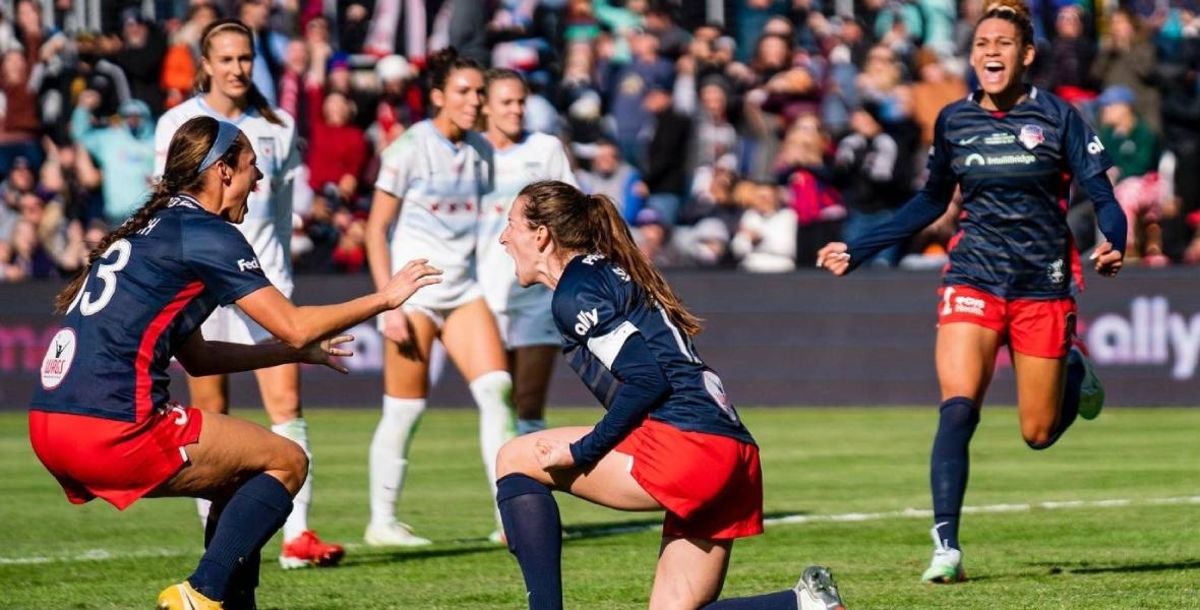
(794, 339)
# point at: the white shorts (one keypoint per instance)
(527, 328)
(231, 325)
(437, 315)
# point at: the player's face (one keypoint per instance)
(505, 108)
(520, 241)
(245, 181)
(228, 64)
(462, 98)
(998, 56)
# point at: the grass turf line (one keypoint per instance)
(816, 462)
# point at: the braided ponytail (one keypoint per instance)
(185, 154)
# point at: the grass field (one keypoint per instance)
(1122, 529)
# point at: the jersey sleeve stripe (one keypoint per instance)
(143, 403)
(606, 347)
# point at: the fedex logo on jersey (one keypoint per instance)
(246, 265)
(585, 321)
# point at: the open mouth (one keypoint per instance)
(993, 72)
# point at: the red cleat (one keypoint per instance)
(308, 550)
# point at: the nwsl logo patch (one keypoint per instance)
(1031, 136)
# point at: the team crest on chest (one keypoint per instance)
(1031, 136)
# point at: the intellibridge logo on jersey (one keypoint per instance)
(1150, 334)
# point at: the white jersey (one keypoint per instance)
(537, 157)
(268, 222)
(440, 185)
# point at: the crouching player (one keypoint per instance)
(670, 440)
(103, 422)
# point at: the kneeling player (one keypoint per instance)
(670, 441)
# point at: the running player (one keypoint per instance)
(523, 314)
(1012, 150)
(671, 440)
(427, 200)
(227, 94)
(103, 422)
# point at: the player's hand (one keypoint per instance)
(1108, 261)
(324, 352)
(835, 257)
(415, 275)
(396, 328)
(553, 454)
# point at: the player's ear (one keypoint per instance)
(438, 97)
(541, 238)
(1029, 55)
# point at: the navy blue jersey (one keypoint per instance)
(142, 299)
(1015, 171)
(597, 308)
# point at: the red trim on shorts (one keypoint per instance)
(145, 353)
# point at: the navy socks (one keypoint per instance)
(255, 512)
(534, 531)
(949, 465)
(779, 600)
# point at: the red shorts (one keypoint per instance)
(118, 461)
(711, 485)
(1040, 328)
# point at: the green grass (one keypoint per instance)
(816, 462)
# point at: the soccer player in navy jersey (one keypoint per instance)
(103, 422)
(670, 440)
(1013, 151)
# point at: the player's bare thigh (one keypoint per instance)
(690, 573)
(1039, 395)
(404, 377)
(229, 451)
(966, 357)
(609, 483)
(473, 341)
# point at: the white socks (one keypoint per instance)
(297, 522)
(497, 419)
(389, 455)
(297, 431)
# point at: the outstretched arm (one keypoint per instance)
(200, 357)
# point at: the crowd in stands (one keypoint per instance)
(744, 139)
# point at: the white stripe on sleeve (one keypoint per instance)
(606, 347)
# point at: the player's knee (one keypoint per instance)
(514, 457)
(293, 464)
(1038, 438)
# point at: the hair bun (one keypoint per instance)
(1016, 7)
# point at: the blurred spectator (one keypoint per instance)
(665, 160)
(673, 40)
(766, 237)
(19, 123)
(1133, 148)
(143, 48)
(626, 90)
(400, 103)
(865, 172)
(337, 148)
(936, 88)
(613, 177)
(124, 152)
(1126, 58)
(1066, 68)
(268, 46)
(715, 134)
(807, 176)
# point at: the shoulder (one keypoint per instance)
(953, 109)
(408, 143)
(173, 118)
(1055, 108)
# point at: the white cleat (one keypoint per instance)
(393, 534)
(946, 566)
(817, 591)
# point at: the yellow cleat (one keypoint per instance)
(182, 596)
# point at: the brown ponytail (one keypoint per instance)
(188, 148)
(591, 224)
(204, 82)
